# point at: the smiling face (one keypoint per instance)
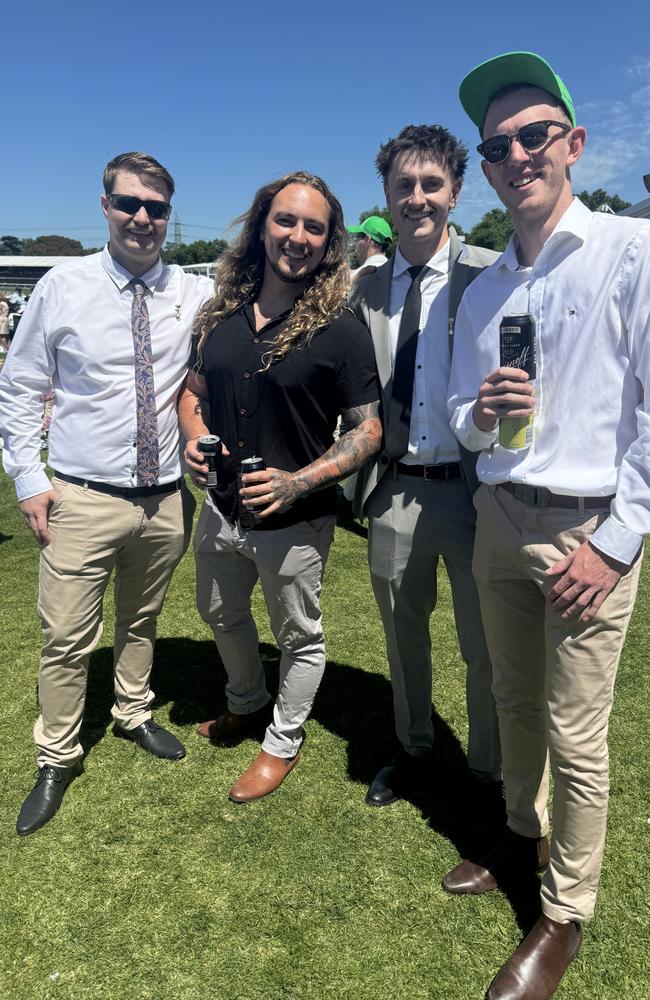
(420, 194)
(295, 232)
(135, 240)
(534, 186)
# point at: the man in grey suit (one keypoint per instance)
(417, 491)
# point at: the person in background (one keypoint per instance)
(372, 246)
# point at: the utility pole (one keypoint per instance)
(178, 237)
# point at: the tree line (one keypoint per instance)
(199, 252)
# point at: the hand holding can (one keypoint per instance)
(211, 447)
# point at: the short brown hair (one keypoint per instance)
(137, 163)
(428, 142)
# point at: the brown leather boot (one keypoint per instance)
(262, 777)
(512, 854)
(534, 970)
(230, 728)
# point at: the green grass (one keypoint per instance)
(150, 884)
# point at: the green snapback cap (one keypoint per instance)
(511, 68)
(375, 227)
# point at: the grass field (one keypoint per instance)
(149, 883)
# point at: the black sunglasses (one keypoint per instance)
(131, 206)
(496, 149)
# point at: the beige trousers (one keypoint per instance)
(553, 683)
(93, 534)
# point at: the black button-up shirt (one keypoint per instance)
(287, 414)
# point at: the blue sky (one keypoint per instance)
(228, 96)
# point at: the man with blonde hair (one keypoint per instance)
(279, 357)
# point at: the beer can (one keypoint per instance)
(254, 464)
(248, 518)
(210, 445)
(518, 350)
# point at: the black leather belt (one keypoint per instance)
(539, 496)
(449, 470)
(127, 492)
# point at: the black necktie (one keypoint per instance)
(399, 417)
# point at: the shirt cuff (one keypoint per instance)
(615, 540)
(32, 484)
(469, 434)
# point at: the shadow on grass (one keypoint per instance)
(355, 705)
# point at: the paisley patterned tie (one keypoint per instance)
(148, 460)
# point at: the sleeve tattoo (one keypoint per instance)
(349, 453)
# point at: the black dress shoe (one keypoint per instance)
(154, 739)
(45, 797)
(404, 777)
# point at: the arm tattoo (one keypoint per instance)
(348, 454)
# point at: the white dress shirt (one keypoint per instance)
(431, 441)
(589, 293)
(76, 332)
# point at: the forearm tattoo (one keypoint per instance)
(349, 453)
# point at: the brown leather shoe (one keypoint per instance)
(534, 970)
(262, 777)
(511, 855)
(230, 728)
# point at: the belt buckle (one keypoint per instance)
(425, 473)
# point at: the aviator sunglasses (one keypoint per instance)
(496, 149)
(131, 206)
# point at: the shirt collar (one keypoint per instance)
(122, 277)
(439, 262)
(574, 224)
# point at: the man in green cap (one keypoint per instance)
(561, 519)
(373, 244)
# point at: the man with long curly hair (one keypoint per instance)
(278, 358)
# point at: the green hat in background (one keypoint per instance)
(479, 86)
(375, 227)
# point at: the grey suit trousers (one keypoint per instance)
(414, 523)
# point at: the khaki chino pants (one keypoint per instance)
(553, 685)
(93, 534)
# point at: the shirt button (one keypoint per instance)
(240, 444)
(247, 375)
(256, 340)
(242, 412)
(424, 437)
(421, 404)
(419, 366)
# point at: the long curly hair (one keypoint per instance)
(240, 272)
